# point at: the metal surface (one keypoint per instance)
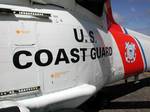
(66, 51)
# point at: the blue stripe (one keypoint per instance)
(143, 54)
(126, 32)
(141, 49)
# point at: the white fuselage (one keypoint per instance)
(45, 56)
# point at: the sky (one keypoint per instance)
(133, 14)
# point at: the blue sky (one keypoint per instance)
(133, 14)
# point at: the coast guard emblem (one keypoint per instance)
(130, 52)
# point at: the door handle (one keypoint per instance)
(25, 44)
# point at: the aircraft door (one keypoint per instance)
(25, 43)
(22, 73)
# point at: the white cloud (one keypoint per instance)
(133, 9)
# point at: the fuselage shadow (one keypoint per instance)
(103, 100)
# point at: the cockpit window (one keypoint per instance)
(95, 6)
